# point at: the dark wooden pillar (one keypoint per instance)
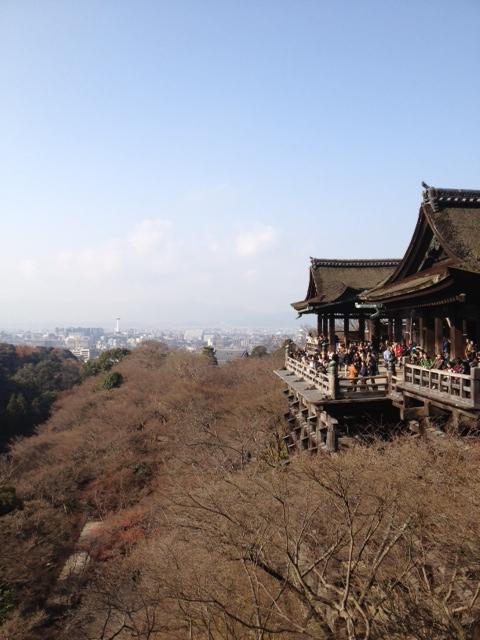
(476, 338)
(331, 331)
(415, 330)
(438, 330)
(408, 331)
(457, 346)
(420, 333)
(346, 329)
(398, 332)
(376, 332)
(325, 325)
(429, 336)
(371, 330)
(331, 439)
(361, 328)
(390, 330)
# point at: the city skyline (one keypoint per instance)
(87, 343)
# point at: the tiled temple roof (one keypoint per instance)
(369, 264)
(449, 217)
(413, 284)
(335, 280)
(439, 198)
(453, 217)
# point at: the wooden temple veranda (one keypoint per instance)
(431, 297)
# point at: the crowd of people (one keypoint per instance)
(443, 361)
(362, 359)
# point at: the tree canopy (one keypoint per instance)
(30, 379)
(259, 351)
(104, 362)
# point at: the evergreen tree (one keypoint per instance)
(17, 413)
(259, 351)
(209, 352)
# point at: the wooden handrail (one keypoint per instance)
(442, 371)
(338, 386)
(458, 386)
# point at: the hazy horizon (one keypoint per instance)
(178, 163)
(109, 326)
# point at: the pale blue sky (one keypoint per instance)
(178, 162)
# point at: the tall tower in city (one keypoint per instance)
(117, 326)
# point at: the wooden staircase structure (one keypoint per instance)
(318, 400)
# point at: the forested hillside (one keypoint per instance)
(30, 379)
(205, 533)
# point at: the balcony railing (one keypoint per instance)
(452, 388)
(337, 387)
(319, 380)
(456, 388)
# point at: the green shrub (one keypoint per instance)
(209, 352)
(113, 380)
(104, 362)
(259, 351)
(6, 601)
(9, 501)
(141, 469)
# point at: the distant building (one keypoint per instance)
(190, 335)
(82, 353)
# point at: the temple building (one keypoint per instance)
(429, 299)
(333, 293)
(433, 295)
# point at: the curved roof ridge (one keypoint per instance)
(438, 197)
(381, 262)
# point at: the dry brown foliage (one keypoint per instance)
(105, 452)
(208, 535)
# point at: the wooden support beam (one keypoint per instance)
(331, 439)
(475, 374)
(426, 334)
(390, 330)
(325, 325)
(346, 329)
(455, 422)
(398, 330)
(371, 329)
(361, 328)
(331, 332)
(438, 335)
(376, 335)
(429, 336)
(476, 336)
(415, 330)
(408, 331)
(420, 332)
(457, 346)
